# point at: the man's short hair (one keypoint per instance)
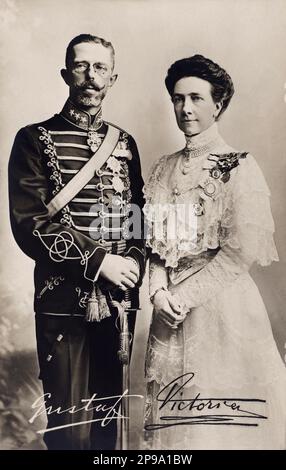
(86, 38)
(222, 88)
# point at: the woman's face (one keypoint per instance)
(194, 106)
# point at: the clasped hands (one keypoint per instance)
(121, 272)
(168, 308)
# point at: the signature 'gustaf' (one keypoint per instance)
(182, 410)
(106, 407)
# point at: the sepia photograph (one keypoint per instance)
(143, 226)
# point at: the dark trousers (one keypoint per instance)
(83, 363)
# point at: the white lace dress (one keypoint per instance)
(225, 345)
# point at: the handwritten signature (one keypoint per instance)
(171, 399)
(108, 406)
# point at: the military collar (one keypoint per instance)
(81, 118)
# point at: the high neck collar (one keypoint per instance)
(204, 142)
(81, 118)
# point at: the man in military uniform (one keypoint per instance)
(73, 220)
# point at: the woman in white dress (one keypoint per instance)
(215, 379)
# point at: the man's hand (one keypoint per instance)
(135, 266)
(168, 309)
(120, 271)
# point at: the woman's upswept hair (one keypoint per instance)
(222, 88)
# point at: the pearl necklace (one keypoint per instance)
(190, 152)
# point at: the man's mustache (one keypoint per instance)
(90, 84)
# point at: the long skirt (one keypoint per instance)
(218, 381)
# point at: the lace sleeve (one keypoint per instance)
(247, 229)
(157, 275)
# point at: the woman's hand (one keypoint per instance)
(168, 309)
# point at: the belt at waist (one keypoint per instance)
(188, 266)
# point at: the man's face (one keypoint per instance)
(89, 74)
(194, 107)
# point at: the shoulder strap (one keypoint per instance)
(86, 173)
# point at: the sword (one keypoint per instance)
(125, 339)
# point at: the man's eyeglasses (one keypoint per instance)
(82, 67)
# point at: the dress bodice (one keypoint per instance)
(192, 214)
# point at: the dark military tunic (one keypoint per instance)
(76, 358)
(70, 249)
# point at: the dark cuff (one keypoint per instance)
(138, 254)
(94, 263)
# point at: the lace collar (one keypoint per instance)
(203, 143)
(81, 118)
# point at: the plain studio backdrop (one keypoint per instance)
(246, 37)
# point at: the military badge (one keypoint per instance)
(113, 164)
(118, 184)
(93, 141)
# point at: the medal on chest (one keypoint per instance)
(114, 164)
(118, 184)
(93, 140)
